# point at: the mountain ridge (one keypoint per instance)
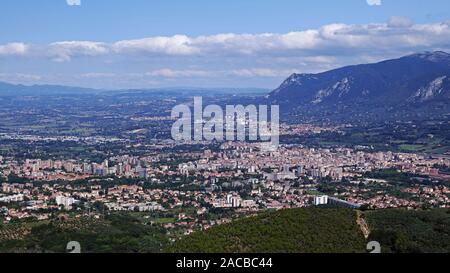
(11, 89)
(410, 79)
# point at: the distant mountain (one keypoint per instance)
(408, 80)
(7, 89)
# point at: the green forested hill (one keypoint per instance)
(405, 231)
(325, 230)
(287, 231)
(118, 233)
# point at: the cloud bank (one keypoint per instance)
(13, 49)
(231, 56)
(335, 39)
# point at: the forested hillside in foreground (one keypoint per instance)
(325, 231)
(288, 231)
(403, 231)
(315, 230)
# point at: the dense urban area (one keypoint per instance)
(118, 162)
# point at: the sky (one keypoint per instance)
(119, 44)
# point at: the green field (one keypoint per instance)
(165, 220)
(411, 148)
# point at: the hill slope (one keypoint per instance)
(315, 230)
(287, 231)
(404, 231)
(412, 79)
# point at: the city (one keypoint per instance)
(233, 127)
(286, 178)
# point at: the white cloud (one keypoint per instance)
(19, 78)
(65, 51)
(169, 73)
(333, 39)
(400, 22)
(374, 2)
(73, 2)
(246, 72)
(328, 39)
(254, 59)
(262, 72)
(97, 75)
(13, 49)
(175, 45)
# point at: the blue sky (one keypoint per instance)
(207, 43)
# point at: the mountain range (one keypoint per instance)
(410, 80)
(416, 86)
(8, 89)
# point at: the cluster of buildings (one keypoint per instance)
(35, 138)
(292, 162)
(50, 170)
(287, 163)
(413, 197)
(237, 177)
